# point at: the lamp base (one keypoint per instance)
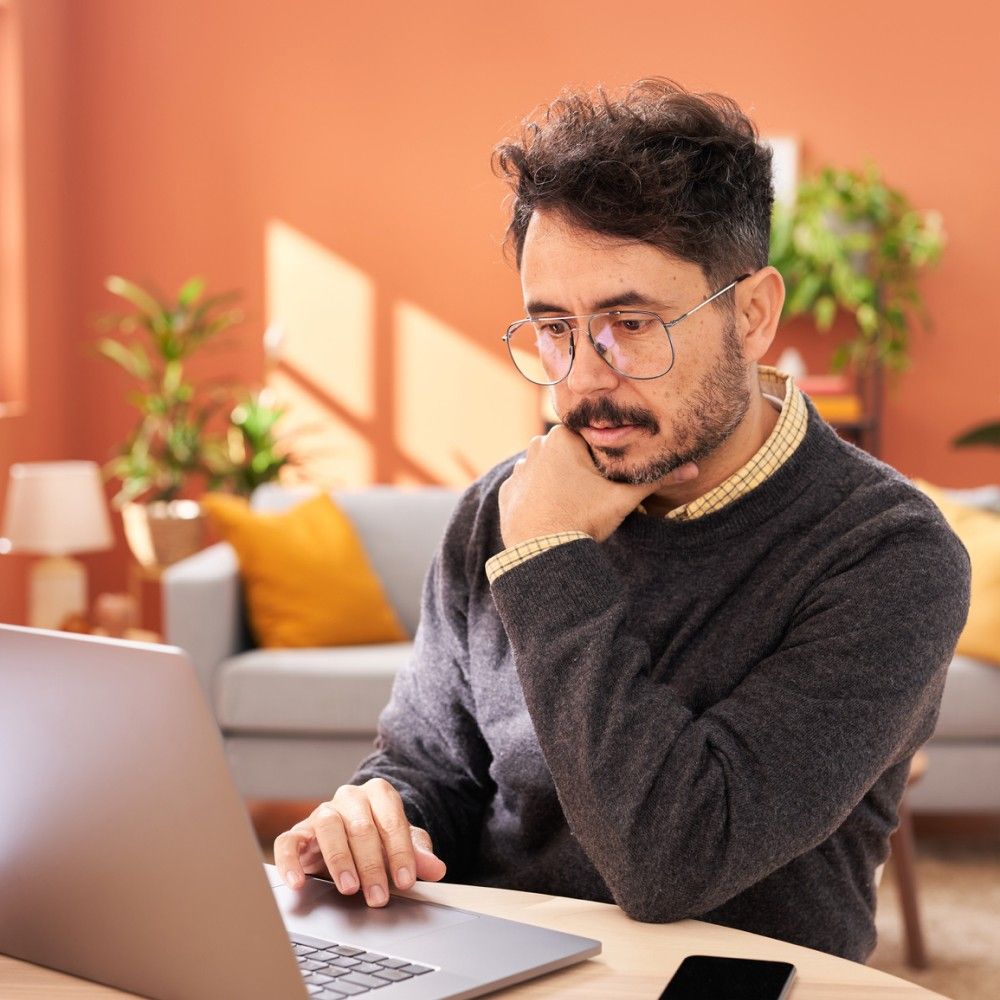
(57, 587)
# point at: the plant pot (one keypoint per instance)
(163, 532)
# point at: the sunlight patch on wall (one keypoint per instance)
(459, 409)
(325, 309)
(332, 453)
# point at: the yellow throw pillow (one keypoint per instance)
(307, 579)
(979, 531)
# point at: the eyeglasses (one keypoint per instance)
(634, 343)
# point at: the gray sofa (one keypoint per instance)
(296, 722)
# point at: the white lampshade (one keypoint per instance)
(55, 509)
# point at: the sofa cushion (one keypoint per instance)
(969, 705)
(399, 528)
(979, 532)
(307, 578)
(316, 691)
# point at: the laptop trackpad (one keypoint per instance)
(319, 910)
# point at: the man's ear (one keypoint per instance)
(759, 299)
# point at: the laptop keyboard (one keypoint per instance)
(333, 971)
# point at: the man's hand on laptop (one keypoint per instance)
(357, 838)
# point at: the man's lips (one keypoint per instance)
(607, 435)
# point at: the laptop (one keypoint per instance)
(127, 857)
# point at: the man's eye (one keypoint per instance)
(633, 324)
(552, 327)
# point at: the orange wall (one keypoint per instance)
(366, 129)
(43, 432)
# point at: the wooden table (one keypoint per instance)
(635, 964)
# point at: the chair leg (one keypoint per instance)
(903, 858)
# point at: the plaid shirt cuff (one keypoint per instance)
(497, 565)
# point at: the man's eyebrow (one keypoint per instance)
(627, 298)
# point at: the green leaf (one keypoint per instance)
(133, 360)
(841, 357)
(824, 311)
(802, 295)
(867, 318)
(191, 291)
(140, 298)
(173, 373)
(986, 434)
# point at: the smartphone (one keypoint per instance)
(706, 977)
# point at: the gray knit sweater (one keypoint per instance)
(708, 719)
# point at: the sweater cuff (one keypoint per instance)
(497, 565)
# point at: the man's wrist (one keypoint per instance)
(521, 552)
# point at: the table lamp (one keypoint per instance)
(55, 509)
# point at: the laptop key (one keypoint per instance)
(318, 978)
(311, 942)
(347, 950)
(344, 962)
(360, 979)
(310, 966)
(325, 955)
(393, 975)
(367, 967)
(417, 970)
(333, 970)
(348, 989)
(393, 963)
(313, 990)
(330, 995)
(369, 956)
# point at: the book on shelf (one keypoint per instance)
(833, 397)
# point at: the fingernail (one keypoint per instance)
(376, 895)
(347, 882)
(403, 878)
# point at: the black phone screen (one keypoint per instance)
(705, 977)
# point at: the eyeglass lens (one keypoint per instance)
(635, 344)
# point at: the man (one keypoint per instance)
(679, 654)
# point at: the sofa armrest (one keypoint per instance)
(203, 610)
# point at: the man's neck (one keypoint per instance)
(740, 447)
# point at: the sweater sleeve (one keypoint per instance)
(429, 746)
(680, 812)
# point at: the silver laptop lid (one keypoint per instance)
(79, 717)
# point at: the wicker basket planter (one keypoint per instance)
(164, 532)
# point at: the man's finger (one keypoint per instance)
(365, 843)
(430, 868)
(394, 828)
(333, 843)
(686, 472)
(287, 849)
(682, 474)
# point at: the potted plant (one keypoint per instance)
(851, 243)
(167, 448)
(252, 453)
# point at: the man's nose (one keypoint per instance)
(590, 373)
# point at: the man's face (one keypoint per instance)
(637, 431)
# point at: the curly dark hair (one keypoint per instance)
(660, 165)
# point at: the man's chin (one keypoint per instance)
(613, 464)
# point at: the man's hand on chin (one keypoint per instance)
(556, 487)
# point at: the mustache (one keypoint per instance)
(606, 411)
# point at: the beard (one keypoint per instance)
(716, 408)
